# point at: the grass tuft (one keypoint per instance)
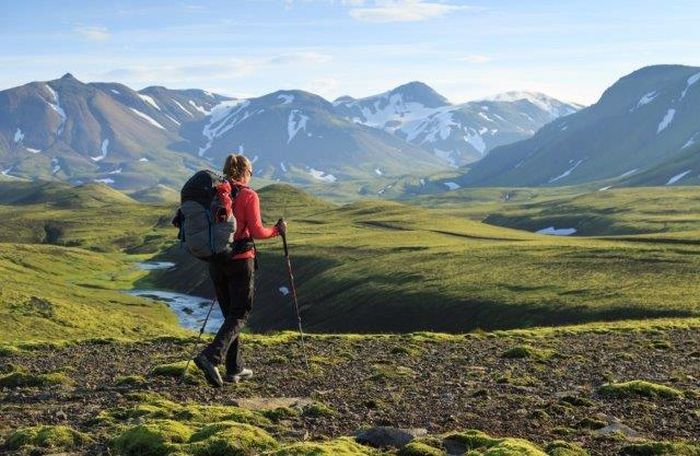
(640, 388)
(24, 380)
(525, 351)
(54, 437)
(661, 449)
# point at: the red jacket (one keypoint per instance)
(246, 209)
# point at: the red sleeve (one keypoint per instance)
(223, 192)
(255, 226)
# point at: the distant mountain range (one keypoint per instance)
(68, 130)
(644, 130)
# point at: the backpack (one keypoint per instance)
(205, 215)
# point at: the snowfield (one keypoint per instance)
(550, 230)
(147, 118)
(566, 173)
(666, 121)
(678, 177)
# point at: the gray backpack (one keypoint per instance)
(206, 229)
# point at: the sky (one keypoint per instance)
(570, 49)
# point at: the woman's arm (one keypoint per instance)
(255, 226)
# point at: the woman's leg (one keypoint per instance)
(242, 292)
(234, 276)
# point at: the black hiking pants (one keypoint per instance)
(235, 290)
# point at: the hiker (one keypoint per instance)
(233, 273)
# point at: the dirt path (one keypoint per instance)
(405, 381)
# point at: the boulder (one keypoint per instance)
(387, 436)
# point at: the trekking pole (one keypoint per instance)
(294, 296)
(196, 344)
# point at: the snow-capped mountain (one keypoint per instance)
(644, 130)
(459, 134)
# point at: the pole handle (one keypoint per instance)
(284, 239)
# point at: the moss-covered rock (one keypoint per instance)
(590, 423)
(8, 350)
(129, 380)
(176, 370)
(230, 438)
(23, 379)
(338, 447)
(317, 409)
(576, 401)
(157, 438)
(54, 437)
(420, 449)
(479, 443)
(526, 351)
(640, 388)
(561, 448)
(661, 449)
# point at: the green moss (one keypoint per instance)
(175, 369)
(483, 444)
(280, 413)
(230, 438)
(23, 379)
(318, 409)
(526, 351)
(561, 448)
(129, 380)
(640, 388)
(661, 449)
(55, 437)
(152, 439)
(419, 449)
(155, 407)
(8, 350)
(338, 447)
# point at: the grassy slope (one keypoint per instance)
(376, 266)
(383, 266)
(53, 292)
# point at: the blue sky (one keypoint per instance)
(570, 49)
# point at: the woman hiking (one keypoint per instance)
(234, 274)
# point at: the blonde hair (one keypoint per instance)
(236, 166)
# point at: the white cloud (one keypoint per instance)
(474, 58)
(403, 11)
(93, 33)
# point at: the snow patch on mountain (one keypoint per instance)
(56, 106)
(645, 100)
(540, 100)
(627, 173)
(286, 98)
(149, 100)
(19, 136)
(452, 185)
(34, 151)
(147, 118)
(116, 171)
(678, 177)
(182, 107)
(114, 91)
(106, 180)
(173, 120)
(284, 168)
(322, 176)
(378, 171)
(690, 142)
(143, 159)
(222, 118)
(691, 81)
(198, 108)
(55, 166)
(566, 173)
(105, 145)
(476, 141)
(666, 121)
(295, 122)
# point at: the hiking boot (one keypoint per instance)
(210, 371)
(242, 374)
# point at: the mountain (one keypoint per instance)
(459, 134)
(644, 130)
(67, 130)
(134, 140)
(297, 136)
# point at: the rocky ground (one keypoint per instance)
(566, 386)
